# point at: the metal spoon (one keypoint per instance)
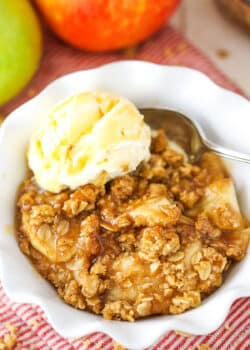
(188, 134)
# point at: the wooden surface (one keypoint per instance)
(225, 43)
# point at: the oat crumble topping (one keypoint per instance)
(118, 346)
(9, 340)
(155, 241)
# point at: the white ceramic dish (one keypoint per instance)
(224, 116)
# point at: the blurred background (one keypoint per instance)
(214, 30)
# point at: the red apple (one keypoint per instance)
(103, 25)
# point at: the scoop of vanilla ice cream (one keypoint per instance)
(91, 137)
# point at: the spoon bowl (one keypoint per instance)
(187, 134)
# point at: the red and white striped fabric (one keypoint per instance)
(33, 329)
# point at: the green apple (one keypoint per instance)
(20, 46)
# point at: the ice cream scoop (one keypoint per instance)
(91, 137)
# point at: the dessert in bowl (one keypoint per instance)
(130, 230)
(119, 221)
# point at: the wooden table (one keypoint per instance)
(225, 43)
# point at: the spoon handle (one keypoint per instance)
(227, 153)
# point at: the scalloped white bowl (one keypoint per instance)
(225, 118)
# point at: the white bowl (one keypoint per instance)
(225, 118)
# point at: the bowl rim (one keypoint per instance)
(125, 333)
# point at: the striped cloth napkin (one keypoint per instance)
(27, 323)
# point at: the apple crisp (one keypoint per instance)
(155, 241)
